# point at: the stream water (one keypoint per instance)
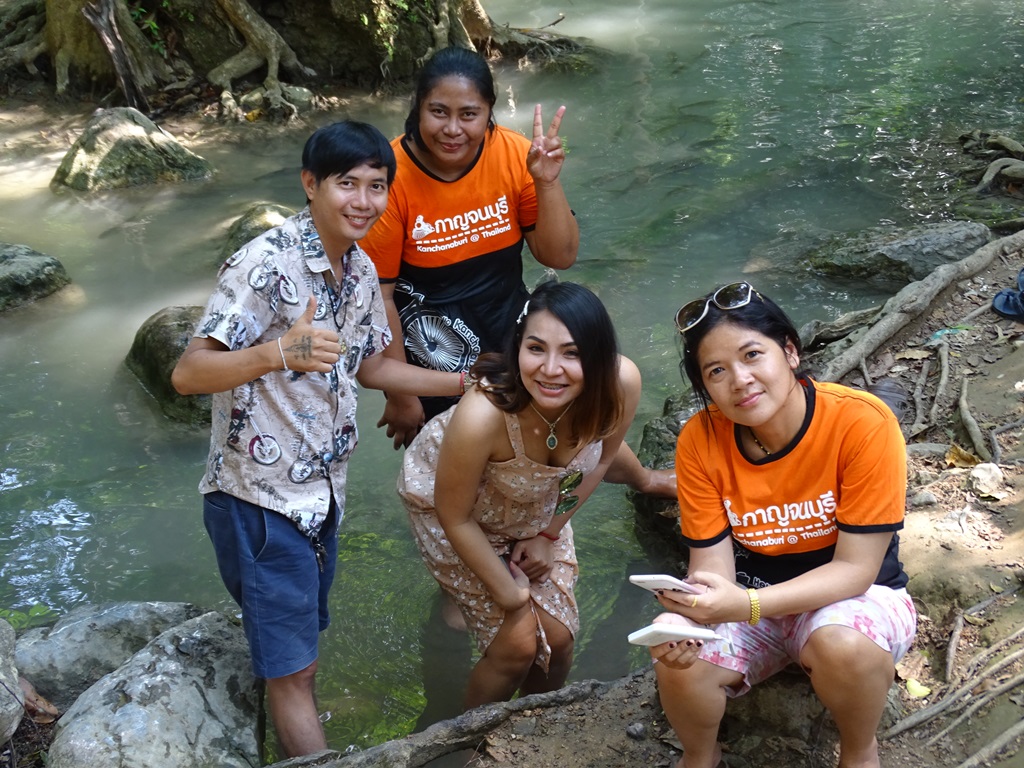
(715, 128)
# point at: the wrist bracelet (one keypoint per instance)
(548, 536)
(462, 383)
(755, 607)
(281, 350)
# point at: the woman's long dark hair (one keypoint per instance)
(598, 409)
(450, 62)
(761, 314)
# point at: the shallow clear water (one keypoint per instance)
(716, 128)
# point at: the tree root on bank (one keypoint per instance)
(912, 301)
(465, 23)
(464, 732)
(940, 388)
(964, 700)
(262, 45)
(22, 39)
(996, 450)
(971, 424)
(961, 697)
(920, 425)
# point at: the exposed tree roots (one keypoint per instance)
(982, 682)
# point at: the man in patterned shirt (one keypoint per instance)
(296, 320)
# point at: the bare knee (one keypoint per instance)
(513, 652)
(844, 650)
(298, 682)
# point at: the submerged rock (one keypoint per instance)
(158, 344)
(27, 275)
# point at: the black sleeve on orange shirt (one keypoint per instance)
(880, 528)
(701, 543)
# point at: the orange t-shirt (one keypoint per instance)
(430, 222)
(454, 250)
(845, 470)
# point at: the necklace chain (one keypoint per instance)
(759, 443)
(552, 441)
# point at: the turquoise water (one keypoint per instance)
(716, 128)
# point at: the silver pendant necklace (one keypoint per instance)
(552, 441)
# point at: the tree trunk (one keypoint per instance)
(101, 16)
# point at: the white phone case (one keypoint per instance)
(655, 581)
(656, 634)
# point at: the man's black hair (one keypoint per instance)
(338, 148)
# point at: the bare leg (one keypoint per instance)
(561, 641)
(292, 703)
(506, 662)
(626, 469)
(851, 676)
(694, 703)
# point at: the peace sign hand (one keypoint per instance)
(546, 155)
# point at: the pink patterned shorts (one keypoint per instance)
(886, 616)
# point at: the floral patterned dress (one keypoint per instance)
(516, 500)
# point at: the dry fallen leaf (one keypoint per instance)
(913, 354)
(958, 457)
(916, 690)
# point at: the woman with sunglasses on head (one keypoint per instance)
(449, 248)
(491, 484)
(791, 493)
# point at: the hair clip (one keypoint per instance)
(526, 308)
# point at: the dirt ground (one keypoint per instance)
(963, 546)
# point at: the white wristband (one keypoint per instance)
(281, 350)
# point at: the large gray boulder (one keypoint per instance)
(27, 275)
(898, 256)
(188, 700)
(11, 697)
(887, 257)
(121, 147)
(88, 642)
(158, 344)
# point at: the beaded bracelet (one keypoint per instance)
(548, 536)
(755, 607)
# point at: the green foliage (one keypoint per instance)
(149, 22)
(183, 13)
(38, 615)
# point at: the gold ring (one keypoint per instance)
(694, 603)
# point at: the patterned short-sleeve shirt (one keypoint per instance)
(282, 441)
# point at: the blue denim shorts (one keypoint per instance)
(271, 571)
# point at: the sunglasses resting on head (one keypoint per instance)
(731, 296)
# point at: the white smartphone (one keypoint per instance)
(656, 581)
(656, 634)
